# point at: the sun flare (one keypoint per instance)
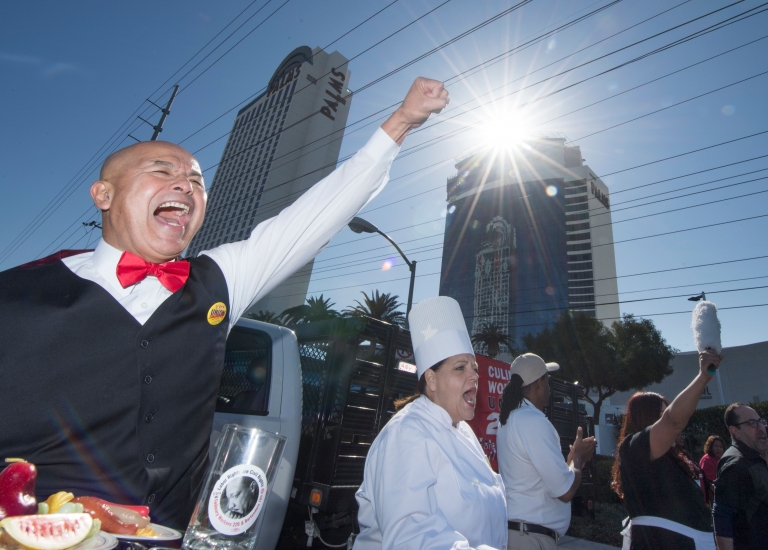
(505, 130)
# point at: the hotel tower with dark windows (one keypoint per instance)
(281, 143)
(527, 236)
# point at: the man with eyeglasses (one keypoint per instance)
(741, 490)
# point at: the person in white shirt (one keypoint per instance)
(111, 358)
(539, 484)
(427, 483)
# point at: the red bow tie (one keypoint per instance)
(131, 269)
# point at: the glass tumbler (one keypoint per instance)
(237, 485)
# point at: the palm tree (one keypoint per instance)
(383, 306)
(265, 316)
(316, 309)
(492, 337)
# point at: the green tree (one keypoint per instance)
(629, 355)
(265, 316)
(316, 309)
(491, 337)
(383, 306)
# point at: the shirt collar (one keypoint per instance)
(435, 411)
(747, 451)
(533, 407)
(104, 259)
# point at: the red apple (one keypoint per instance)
(17, 489)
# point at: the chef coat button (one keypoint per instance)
(476, 481)
(148, 418)
(144, 305)
(150, 458)
(151, 498)
(144, 343)
(147, 379)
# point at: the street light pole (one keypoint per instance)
(359, 225)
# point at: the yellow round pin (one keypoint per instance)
(217, 313)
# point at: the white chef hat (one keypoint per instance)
(438, 331)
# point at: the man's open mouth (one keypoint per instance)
(173, 213)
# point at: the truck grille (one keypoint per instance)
(350, 380)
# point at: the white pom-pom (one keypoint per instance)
(706, 327)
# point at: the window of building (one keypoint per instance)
(577, 236)
(581, 290)
(577, 217)
(579, 257)
(580, 246)
(577, 227)
(579, 266)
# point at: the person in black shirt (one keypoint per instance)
(741, 491)
(658, 487)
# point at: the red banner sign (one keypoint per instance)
(494, 376)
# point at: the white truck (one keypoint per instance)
(329, 388)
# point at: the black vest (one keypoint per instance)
(102, 405)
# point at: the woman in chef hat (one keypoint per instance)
(427, 482)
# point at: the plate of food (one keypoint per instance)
(153, 532)
(99, 541)
(66, 522)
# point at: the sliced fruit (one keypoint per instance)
(56, 500)
(49, 532)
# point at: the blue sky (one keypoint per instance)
(73, 73)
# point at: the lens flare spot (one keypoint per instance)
(551, 190)
(549, 290)
(452, 209)
(728, 110)
(386, 266)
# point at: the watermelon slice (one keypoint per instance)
(48, 532)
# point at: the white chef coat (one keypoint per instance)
(276, 247)
(534, 471)
(429, 485)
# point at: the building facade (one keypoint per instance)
(281, 143)
(527, 236)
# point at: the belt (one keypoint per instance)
(532, 528)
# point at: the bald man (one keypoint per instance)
(110, 359)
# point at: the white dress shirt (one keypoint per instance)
(429, 485)
(534, 470)
(276, 247)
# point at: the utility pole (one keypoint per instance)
(165, 110)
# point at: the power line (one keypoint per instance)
(422, 146)
(697, 34)
(386, 108)
(487, 23)
(431, 247)
(516, 49)
(633, 219)
(305, 87)
(377, 80)
(645, 273)
(233, 47)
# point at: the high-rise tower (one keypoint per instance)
(281, 144)
(527, 236)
